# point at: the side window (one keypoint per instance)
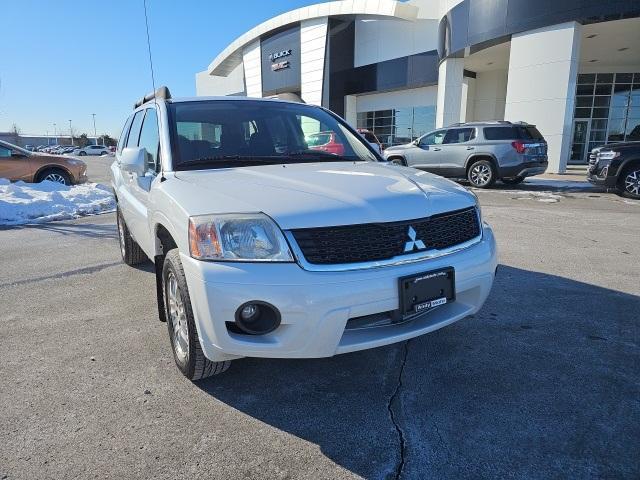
(123, 136)
(4, 152)
(149, 139)
(433, 138)
(134, 133)
(459, 135)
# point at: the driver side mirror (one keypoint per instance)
(416, 142)
(132, 160)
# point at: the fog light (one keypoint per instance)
(249, 311)
(257, 318)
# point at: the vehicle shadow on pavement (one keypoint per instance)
(87, 230)
(543, 382)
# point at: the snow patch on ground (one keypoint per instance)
(22, 202)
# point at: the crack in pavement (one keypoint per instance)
(55, 276)
(392, 415)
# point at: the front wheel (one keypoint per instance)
(630, 182)
(398, 161)
(55, 175)
(513, 181)
(82, 154)
(481, 174)
(187, 351)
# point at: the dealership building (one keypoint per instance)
(401, 69)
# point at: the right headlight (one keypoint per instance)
(608, 155)
(251, 237)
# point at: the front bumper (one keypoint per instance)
(315, 306)
(600, 175)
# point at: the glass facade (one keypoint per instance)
(400, 125)
(607, 110)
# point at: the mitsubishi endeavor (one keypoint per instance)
(266, 247)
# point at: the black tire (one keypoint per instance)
(513, 180)
(131, 252)
(629, 182)
(82, 154)
(54, 175)
(481, 174)
(189, 358)
(398, 161)
(103, 153)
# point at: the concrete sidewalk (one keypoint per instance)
(574, 173)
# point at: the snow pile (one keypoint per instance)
(22, 202)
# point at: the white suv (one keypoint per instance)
(264, 247)
(91, 150)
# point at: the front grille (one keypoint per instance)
(382, 241)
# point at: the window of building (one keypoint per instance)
(400, 125)
(607, 109)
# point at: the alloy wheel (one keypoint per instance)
(178, 318)
(632, 182)
(480, 175)
(56, 177)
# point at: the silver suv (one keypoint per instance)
(481, 152)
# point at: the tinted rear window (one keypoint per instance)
(530, 133)
(512, 133)
(500, 133)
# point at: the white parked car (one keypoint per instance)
(91, 150)
(264, 247)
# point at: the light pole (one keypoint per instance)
(70, 132)
(95, 135)
(55, 134)
(47, 137)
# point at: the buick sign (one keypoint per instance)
(284, 53)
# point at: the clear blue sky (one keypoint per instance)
(67, 59)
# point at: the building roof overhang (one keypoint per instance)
(231, 56)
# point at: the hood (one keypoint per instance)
(320, 194)
(620, 146)
(399, 148)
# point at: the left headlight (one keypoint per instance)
(247, 237)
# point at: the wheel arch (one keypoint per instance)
(624, 166)
(52, 167)
(164, 242)
(480, 156)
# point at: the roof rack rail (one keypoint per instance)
(161, 93)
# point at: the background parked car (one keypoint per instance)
(20, 164)
(372, 139)
(481, 152)
(617, 166)
(92, 150)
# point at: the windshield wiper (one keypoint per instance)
(321, 155)
(227, 159)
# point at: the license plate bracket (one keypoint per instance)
(425, 291)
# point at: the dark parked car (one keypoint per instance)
(617, 166)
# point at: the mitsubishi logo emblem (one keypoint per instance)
(413, 244)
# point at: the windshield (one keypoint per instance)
(224, 133)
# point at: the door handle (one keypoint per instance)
(437, 149)
(470, 148)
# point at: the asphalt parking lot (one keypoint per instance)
(542, 383)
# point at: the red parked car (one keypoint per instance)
(325, 141)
